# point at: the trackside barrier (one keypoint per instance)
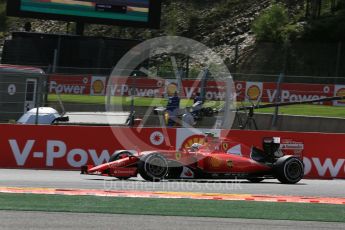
(323, 153)
(144, 87)
(69, 147)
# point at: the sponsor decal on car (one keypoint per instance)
(229, 163)
(187, 173)
(157, 138)
(178, 156)
(225, 146)
(215, 162)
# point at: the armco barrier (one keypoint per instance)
(69, 147)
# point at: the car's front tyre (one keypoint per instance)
(153, 167)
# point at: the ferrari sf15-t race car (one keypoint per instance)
(207, 161)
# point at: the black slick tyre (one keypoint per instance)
(289, 169)
(153, 167)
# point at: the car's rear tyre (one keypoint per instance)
(255, 179)
(153, 167)
(120, 155)
(289, 170)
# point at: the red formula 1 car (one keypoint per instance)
(205, 161)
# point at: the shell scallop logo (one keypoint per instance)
(341, 93)
(253, 92)
(98, 86)
(193, 139)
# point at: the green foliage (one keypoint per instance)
(222, 8)
(273, 24)
(326, 28)
(172, 18)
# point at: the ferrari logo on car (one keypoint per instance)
(178, 156)
(225, 146)
(229, 163)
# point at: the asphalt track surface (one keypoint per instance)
(53, 220)
(73, 180)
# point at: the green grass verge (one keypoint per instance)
(309, 110)
(125, 101)
(304, 110)
(173, 207)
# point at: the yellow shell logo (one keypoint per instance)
(253, 92)
(193, 139)
(98, 86)
(341, 93)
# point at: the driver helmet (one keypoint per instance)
(195, 146)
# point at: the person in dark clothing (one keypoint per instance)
(197, 98)
(197, 106)
(173, 107)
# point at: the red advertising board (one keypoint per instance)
(143, 87)
(294, 92)
(59, 84)
(156, 87)
(213, 90)
(69, 147)
(323, 153)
